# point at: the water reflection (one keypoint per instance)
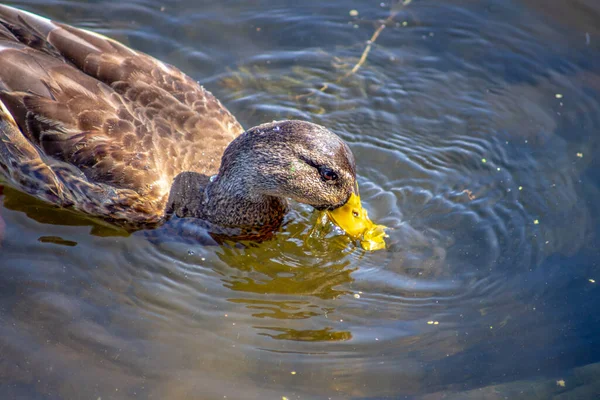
(293, 309)
(287, 266)
(320, 335)
(46, 213)
(57, 240)
(298, 263)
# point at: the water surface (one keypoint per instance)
(475, 129)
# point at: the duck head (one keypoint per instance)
(305, 162)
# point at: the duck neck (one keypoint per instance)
(226, 203)
(235, 203)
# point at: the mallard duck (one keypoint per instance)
(90, 124)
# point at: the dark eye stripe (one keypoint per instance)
(310, 162)
(327, 174)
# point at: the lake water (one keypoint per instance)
(476, 129)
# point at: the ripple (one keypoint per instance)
(464, 150)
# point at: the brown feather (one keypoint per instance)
(88, 123)
(106, 128)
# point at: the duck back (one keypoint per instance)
(88, 123)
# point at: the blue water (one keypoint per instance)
(475, 129)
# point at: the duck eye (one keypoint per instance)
(327, 174)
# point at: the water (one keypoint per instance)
(475, 129)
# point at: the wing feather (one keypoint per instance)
(119, 117)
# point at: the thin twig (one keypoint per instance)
(365, 53)
(374, 37)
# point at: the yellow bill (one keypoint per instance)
(353, 219)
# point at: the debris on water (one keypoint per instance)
(536, 221)
(293, 372)
(356, 296)
(498, 169)
(303, 77)
(580, 155)
(433, 322)
(190, 252)
(560, 382)
(469, 194)
(592, 280)
(483, 160)
(558, 96)
(520, 187)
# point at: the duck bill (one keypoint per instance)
(353, 219)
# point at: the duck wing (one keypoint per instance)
(101, 124)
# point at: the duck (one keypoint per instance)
(90, 124)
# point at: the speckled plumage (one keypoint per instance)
(92, 124)
(88, 123)
(259, 170)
